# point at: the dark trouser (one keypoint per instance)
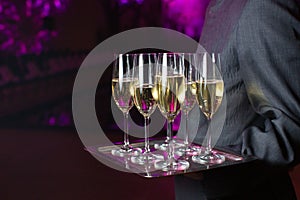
(248, 181)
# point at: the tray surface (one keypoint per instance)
(148, 169)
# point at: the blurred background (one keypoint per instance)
(42, 45)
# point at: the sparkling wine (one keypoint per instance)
(171, 93)
(190, 97)
(122, 94)
(209, 96)
(144, 100)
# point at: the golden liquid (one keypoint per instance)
(170, 92)
(121, 93)
(209, 95)
(144, 100)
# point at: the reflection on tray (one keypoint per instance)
(148, 169)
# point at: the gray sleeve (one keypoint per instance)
(268, 46)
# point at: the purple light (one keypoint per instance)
(57, 3)
(139, 1)
(176, 123)
(2, 27)
(23, 49)
(64, 119)
(124, 1)
(38, 46)
(22, 25)
(38, 3)
(46, 10)
(51, 121)
(7, 43)
(28, 8)
(186, 15)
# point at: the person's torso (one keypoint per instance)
(219, 36)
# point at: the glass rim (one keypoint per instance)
(186, 53)
(179, 52)
(134, 54)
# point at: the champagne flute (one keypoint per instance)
(143, 96)
(189, 61)
(121, 84)
(170, 86)
(210, 88)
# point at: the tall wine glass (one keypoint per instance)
(189, 61)
(170, 86)
(121, 82)
(143, 96)
(210, 88)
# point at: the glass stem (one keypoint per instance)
(208, 148)
(186, 139)
(171, 144)
(168, 138)
(126, 136)
(147, 148)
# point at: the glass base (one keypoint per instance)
(165, 146)
(175, 165)
(188, 151)
(126, 151)
(209, 158)
(146, 158)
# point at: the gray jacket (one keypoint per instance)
(260, 45)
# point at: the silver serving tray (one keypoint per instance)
(149, 171)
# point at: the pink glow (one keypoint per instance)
(186, 15)
(52, 121)
(2, 27)
(46, 10)
(57, 3)
(22, 25)
(124, 1)
(38, 3)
